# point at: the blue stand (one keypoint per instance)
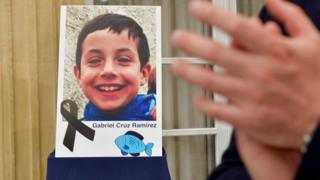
(133, 168)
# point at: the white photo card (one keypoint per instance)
(109, 85)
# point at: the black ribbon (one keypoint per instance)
(74, 124)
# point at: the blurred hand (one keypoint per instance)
(272, 81)
(265, 162)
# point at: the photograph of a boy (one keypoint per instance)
(112, 62)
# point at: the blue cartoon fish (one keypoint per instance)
(131, 143)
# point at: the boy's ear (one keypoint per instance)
(76, 72)
(145, 72)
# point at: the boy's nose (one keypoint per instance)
(108, 70)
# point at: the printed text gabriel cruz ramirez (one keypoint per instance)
(123, 125)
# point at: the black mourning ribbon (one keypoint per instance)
(74, 124)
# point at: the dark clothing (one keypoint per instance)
(232, 168)
(309, 167)
(310, 7)
(108, 168)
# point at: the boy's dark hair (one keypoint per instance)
(116, 23)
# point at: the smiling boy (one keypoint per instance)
(111, 64)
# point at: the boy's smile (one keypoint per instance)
(109, 88)
(110, 74)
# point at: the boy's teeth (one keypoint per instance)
(109, 88)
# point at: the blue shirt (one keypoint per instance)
(138, 109)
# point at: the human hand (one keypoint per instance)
(272, 80)
(260, 160)
(266, 162)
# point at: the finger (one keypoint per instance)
(255, 20)
(231, 59)
(237, 45)
(273, 27)
(270, 26)
(225, 112)
(243, 30)
(230, 87)
(294, 19)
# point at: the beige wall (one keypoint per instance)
(28, 83)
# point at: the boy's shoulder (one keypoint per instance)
(145, 97)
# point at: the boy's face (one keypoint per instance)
(110, 73)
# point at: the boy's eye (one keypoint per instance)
(123, 59)
(94, 61)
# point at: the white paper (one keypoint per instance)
(109, 79)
